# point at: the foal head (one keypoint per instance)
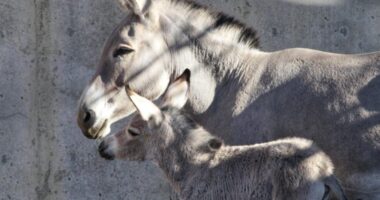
(155, 128)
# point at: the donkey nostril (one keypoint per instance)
(102, 149)
(87, 117)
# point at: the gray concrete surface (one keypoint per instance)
(49, 50)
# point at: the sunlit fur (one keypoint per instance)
(291, 168)
(236, 88)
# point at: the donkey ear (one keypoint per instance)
(148, 110)
(139, 7)
(177, 93)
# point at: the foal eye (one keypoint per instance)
(122, 51)
(133, 132)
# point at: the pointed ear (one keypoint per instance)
(177, 93)
(148, 110)
(139, 7)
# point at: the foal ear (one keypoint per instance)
(139, 7)
(177, 93)
(148, 110)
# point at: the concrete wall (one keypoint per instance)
(48, 52)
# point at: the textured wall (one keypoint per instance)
(48, 51)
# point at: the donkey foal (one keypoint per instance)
(199, 166)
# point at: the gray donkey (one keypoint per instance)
(333, 99)
(199, 166)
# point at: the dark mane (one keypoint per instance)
(247, 34)
(180, 120)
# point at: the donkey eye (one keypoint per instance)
(133, 132)
(122, 51)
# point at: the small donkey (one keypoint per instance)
(199, 166)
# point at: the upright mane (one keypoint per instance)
(246, 36)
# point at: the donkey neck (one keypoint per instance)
(179, 153)
(176, 168)
(213, 54)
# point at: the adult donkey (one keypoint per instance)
(330, 98)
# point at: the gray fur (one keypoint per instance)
(291, 168)
(330, 98)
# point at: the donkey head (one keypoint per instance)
(134, 54)
(155, 127)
